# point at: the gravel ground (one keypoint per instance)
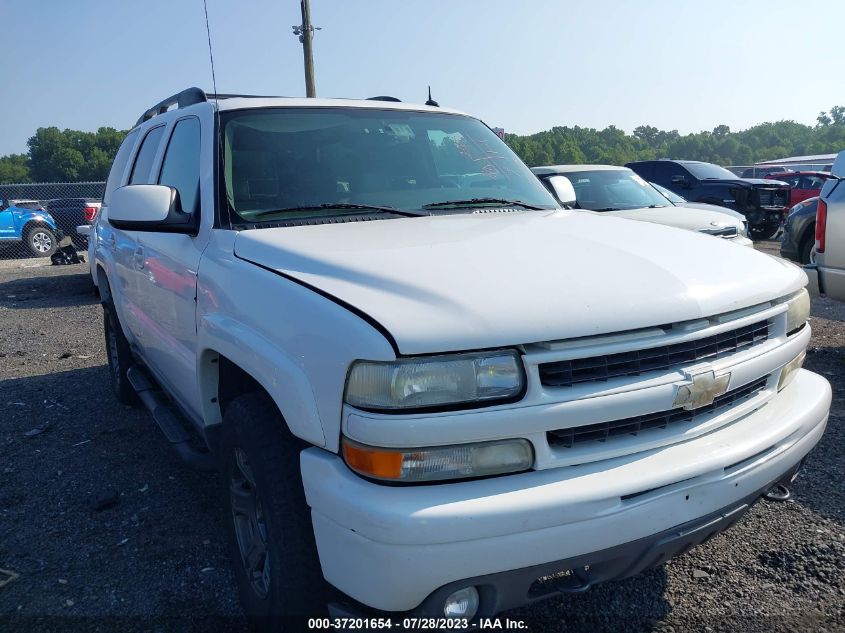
(108, 531)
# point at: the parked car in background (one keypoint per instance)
(799, 232)
(828, 272)
(764, 203)
(618, 191)
(804, 184)
(70, 213)
(680, 201)
(763, 172)
(25, 222)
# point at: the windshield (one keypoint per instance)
(703, 171)
(671, 196)
(613, 190)
(302, 161)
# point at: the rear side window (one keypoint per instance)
(146, 155)
(118, 166)
(645, 170)
(181, 166)
(665, 171)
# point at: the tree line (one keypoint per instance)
(767, 141)
(63, 156)
(72, 156)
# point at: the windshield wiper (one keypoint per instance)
(341, 206)
(474, 201)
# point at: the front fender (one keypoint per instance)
(39, 217)
(297, 344)
(270, 367)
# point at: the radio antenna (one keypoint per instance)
(219, 135)
(210, 54)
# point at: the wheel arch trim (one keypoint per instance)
(273, 370)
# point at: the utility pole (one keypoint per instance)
(306, 35)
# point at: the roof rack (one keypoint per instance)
(183, 99)
(188, 97)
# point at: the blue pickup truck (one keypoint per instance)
(26, 222)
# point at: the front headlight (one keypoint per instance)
(438, 463)
(798, 311)
(435, 381)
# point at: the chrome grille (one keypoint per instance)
(566, 373)
(567, 438)
(773, 197)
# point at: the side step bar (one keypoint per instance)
(169, 422)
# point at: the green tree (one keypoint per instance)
(70, 155)
(765, 141)
(14, 168)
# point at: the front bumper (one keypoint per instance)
(400, 548)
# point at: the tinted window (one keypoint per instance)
(613, 190)
(664, 171)
(646, 170)
(811, 182)
(146, 155)
(181, 165)
(119, 165)
(705, 171)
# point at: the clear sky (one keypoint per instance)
(524, 65)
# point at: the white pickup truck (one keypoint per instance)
(425, 383)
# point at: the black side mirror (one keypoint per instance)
(680, 180)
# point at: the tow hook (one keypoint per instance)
(780, 491)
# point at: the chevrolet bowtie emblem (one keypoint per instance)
(702, 391)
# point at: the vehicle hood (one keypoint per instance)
(712, 207)
(746, 182)
(474, 281)
(689, 218)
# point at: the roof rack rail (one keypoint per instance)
(183, 99)
(384, 98)
(190, 96)
(211, 96)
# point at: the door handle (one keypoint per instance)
(111, 241)
(138, 258)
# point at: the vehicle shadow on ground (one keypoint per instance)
(828, 309)
(632, 604)
(99, 517)
(53, 291)
(819, 486)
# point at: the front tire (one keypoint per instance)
(40, 241)
(762, 232)
(268, 522)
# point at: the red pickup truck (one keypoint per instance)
(805, 184)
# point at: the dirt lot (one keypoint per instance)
(106, 530)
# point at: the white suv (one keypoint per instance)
(423, 381)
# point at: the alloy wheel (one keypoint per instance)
(250, 524)
(42, 242)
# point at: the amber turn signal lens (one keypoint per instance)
(373, 461)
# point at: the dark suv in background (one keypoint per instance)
(764, 203)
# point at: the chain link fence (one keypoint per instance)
(38, 221)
